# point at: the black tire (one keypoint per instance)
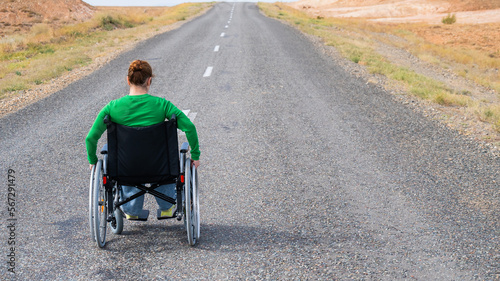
(91, 204)
(99, 207)
(117, 226)
(188, 205)
(196, 203)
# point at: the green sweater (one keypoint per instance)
(140, 111)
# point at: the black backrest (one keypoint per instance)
(138, 155)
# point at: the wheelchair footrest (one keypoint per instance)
(143, 216)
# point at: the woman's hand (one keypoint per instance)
(196, 163)
(91, 167)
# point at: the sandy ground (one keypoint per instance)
(405, 11)
(470, 17)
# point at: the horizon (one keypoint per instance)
(159, 3)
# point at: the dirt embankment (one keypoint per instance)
(21, 15)
(405, 11)
(477, 26)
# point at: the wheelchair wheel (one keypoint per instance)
(91, 201)
(117, 224)
(196, 201)
(99, 206)
(191, 217)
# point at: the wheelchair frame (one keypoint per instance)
(105, 201)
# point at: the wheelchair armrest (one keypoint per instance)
(104, 149)
(184, 147)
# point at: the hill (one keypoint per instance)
(21, 15)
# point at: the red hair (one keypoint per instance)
(139, 72)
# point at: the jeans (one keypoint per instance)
(135, 206)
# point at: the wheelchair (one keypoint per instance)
(143, 157)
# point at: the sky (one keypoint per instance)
(158, 2)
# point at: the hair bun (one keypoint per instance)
(139, 71)
(137, 65)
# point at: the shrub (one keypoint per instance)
(449, 19)
(109, 23)
(355, 58)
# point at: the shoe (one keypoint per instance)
(143, 216)
(127, 216)
(168, 213)
(130, 217)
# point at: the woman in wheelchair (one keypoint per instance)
(139, 109)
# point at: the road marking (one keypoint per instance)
(226, 26)
(228, 21)
(208, 72)
(216, 49)
(191, 116)
(222, 34)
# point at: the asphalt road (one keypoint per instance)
(307, 172)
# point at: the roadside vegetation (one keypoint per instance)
(358, 39)
(48, 51)
(449, 19)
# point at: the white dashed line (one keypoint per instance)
(191, 116)
(208, 72)
(209, 69)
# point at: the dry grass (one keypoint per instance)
(45, 52)
(490, 114)
(465, 49)
(356, 39)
